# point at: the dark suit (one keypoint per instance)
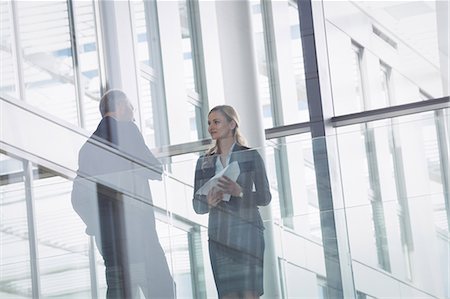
(112, 196)
(235, 228)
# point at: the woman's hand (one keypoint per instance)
(229, 187)
(215, 195)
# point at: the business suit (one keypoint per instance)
(235, 228)
(112, 196)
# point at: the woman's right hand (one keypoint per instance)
(215, 195)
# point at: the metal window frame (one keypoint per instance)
(198, 64)
(79, 94)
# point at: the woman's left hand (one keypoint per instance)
(228, 186)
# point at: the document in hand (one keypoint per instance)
(232, 171)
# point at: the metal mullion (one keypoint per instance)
(288, 130)
(284, 183)
(337, 256)
(390, 112)
(147, 71)
(271, 57)
(79, 95)
(17, 50)
(158, 97)
(138, 70)
(196, 262)
(198, 64)
(100, 47)
(93, 268)
(32, 234)
(443, 148)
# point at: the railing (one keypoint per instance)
(394, 212)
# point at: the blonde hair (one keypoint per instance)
(231, 115)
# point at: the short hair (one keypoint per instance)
(111, 100)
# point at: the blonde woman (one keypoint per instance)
(235, 229)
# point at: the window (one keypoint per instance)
(279, 52)
(57, 65)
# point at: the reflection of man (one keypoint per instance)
(112, 196)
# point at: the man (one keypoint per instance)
(112, 195)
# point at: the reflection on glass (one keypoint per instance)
(395, 198)
(63, 246)
(406, 36)
(291, 166)
(111, 194)
(357, 65)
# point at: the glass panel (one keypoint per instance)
(15, 274)
(179, 258)
(63, 246)
(395, 203)
(281, 74)
(47, 55)
(262, 64)
(409, 38)
(190, 67)
(186, 38)
(142, 33)
(88, 57)
(291, 166)
(148, 129)
(151, 94)
(7, 59)
(302, 114)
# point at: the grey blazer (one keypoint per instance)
(237, 223)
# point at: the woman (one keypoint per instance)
(235, 229)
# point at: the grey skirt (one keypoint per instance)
(236, 271)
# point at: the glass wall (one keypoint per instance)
(394, 185)
(279, 56)
(395, 209)
(15, 249)
(396, 201)
(50, 58)
(386, 53)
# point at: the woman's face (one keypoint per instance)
(219, 127)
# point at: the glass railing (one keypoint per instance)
(389, 221)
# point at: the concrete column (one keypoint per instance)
(241, 91)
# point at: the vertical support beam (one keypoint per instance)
(121, 73)
(331, 203)
(158, 95)
(196, 262)
(442, 14)
(17, 50)
(100, 48)
(93, 268)
(79, 94)
(240, 77)
(32, 235)
(443, 147)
